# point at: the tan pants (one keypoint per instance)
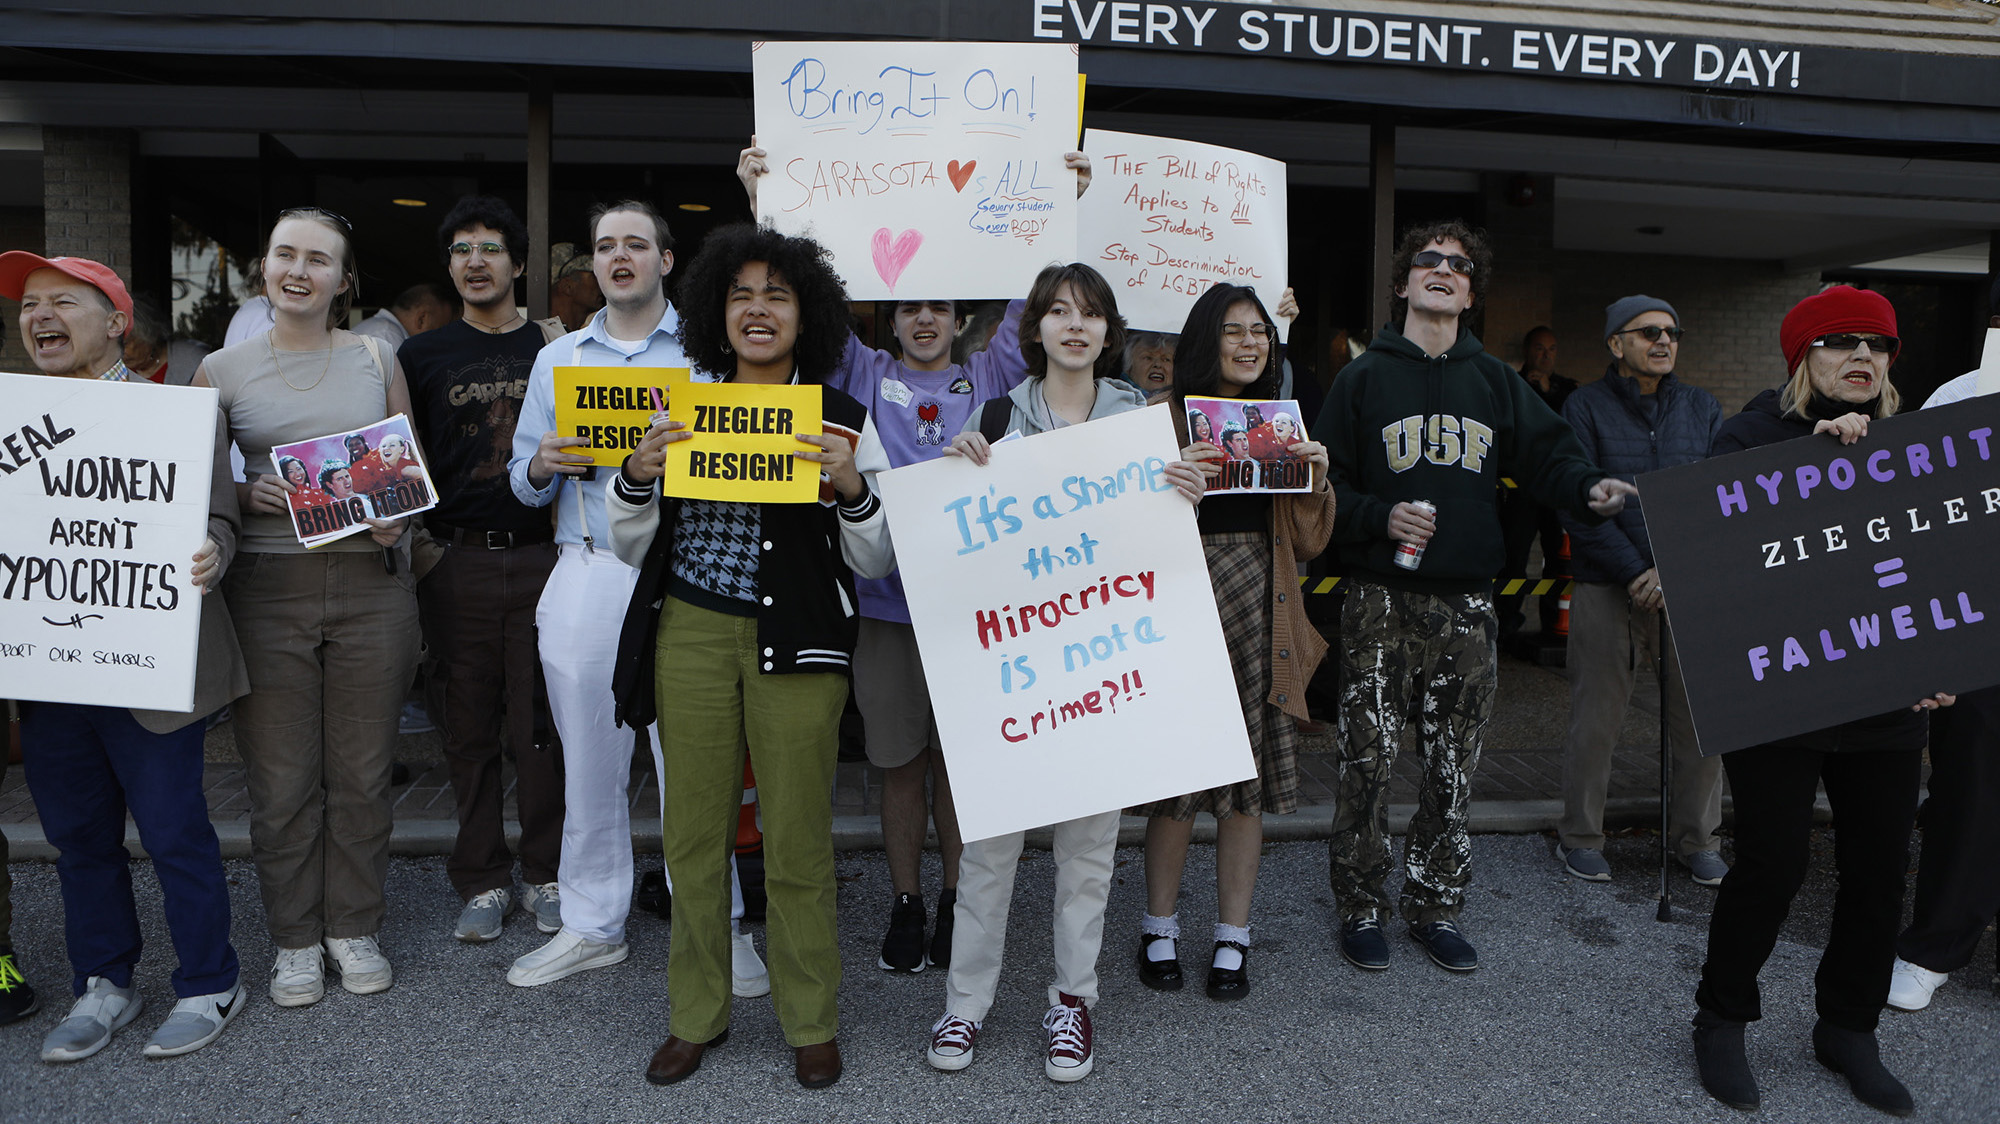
(1607, 639)
(331, 640)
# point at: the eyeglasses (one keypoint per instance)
(334, 217)
(1852, 341)
(1429, 259)
(1234, 333)
(464, 249)
(1653, 332)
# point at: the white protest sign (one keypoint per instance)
(1989, 364)
(103, 504)
(928, 169)
(1166, 219)
(1068, 628)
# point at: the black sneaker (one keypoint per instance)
(653, 896)
(17, 999)
(941, 928)
(1362, 943)
(1448, 948)
(903, 946)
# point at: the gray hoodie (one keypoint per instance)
(1031, 414)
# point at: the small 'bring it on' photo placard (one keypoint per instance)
(342, 480)
(1256, 436)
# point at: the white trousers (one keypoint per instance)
(1084, 849)
(577, 623)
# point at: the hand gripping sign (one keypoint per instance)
(1068, 627)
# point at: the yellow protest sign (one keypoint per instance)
(611, 407)
(744, 438)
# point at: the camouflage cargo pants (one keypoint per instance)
(1404, 652)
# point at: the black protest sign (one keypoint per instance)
(1810, 583)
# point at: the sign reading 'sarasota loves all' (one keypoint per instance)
(1810, 583)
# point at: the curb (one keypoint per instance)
(419, 838)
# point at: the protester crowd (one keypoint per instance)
(569, 614)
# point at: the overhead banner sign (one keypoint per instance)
(1068, 626)
(1164, 220)
(1810, 583)
(610, 408)
(104, 491)
(744, 442)
(928, 169)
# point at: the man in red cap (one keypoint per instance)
(88, 766)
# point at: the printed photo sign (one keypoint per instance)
(611, 408)
(1068, 626)
(344, 479)
(1810, 583)
(1165, 220)
(745, 438)
(928, 169)
(1256, 437)
(104, 491)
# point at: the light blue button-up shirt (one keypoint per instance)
(580, 503)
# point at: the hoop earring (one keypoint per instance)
(726, 349)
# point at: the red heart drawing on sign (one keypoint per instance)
(959, 173)
(892, 253)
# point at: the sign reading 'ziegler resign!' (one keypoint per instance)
(1810, 583)
(745, 443)
(1068, 626)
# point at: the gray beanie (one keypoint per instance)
(1624, 310)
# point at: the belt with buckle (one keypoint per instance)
(490, 540)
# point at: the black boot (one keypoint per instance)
(1718, 1054)
(1853, 1055)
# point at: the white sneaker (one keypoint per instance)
(545, 903)
(363, 969)
(566, 955)
(482, 916)
(195, 1022)
(101, 1012)
(298, 977)
(1911, 985)
(748, 977)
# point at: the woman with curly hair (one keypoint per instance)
(1254, 543)
(739, 633)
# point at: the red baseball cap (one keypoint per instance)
(15, 265)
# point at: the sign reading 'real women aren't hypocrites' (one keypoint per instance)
(1166, 219)
(928, 169)
(1810, 583)
(103, 504)
(1067, 625)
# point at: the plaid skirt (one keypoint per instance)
(1239, 567)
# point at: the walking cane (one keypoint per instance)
(1666, 911)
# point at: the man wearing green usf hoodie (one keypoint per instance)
(1426, 416)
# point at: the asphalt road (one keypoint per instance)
(1579, 1013)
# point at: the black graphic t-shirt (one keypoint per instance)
(466, 388)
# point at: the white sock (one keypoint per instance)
(1226, 957)
(1169, 927)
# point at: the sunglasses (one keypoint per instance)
(334, 217)
(1653, 332)
(464, 249)
(1850, 341)
(1234, 332)
(1429, 259)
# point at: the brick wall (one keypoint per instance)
(87, 194)
(20, 229)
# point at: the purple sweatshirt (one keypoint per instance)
(917, 413)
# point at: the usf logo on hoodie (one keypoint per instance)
(1440, 439)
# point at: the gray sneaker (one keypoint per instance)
(480, 920)
(196, 1021)
(1586, 863)
(1706, 867)
(545, 902)
(103, 1011)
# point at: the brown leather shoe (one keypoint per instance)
(817, 1065)
(677, 1058)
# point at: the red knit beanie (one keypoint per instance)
(1842, 308)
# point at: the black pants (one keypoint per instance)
(1874, 798)
(1958, 879)
(1522, 521)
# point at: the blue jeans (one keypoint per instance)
(86, 765)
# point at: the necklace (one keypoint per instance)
(281, 367)
(496, 329)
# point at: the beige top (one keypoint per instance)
(264, 409)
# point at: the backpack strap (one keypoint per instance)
(993, 418)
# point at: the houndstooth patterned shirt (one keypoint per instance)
(715, 547)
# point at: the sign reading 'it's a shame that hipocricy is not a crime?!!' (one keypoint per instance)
(1166, 219)
(104, 490)
(1068, 627)
(928, 169)
(1811, 583)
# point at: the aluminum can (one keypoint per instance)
(1409, 555)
